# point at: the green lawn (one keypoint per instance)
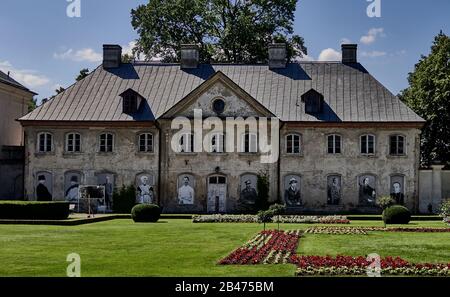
(177, 247)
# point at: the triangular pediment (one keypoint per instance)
(236, 101)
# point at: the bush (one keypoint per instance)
(396, 214)
(144, 213)
(444, 209)
(385, 201)
(124, 199)
(34, 210)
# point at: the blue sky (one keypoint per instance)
(43, 48)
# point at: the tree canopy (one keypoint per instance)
(236, 31)
(428, 95)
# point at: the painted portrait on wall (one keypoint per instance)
(292, 190)
(44, 186)
(248, 193)
(367, 190)
(186, 185)
(397, 189)
(334, 190)
(72, 182)
(145, 188)
(91, 199)
(107, 180)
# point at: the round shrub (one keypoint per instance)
(396, 214)
(144, 213)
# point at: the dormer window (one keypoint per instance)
(130, 101)
(313, 101)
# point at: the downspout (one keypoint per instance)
(159, 161)
(279, 197)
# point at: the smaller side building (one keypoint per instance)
(14, 101)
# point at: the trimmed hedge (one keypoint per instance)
(34, 210)
(145, 213)
(396, 214)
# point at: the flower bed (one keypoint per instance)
(218, 218)
(268, 247)
(347, 265)
(336, 230)
(407, 229)
(312, 219)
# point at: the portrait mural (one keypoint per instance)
(334, 190)
(397, 189)
(186, 185)
(44, 186)
(145, 188)
(292, 190)
(367, 190)
(72, 182)
(107, 181)
(248, 192)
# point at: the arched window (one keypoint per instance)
(73, 142)
(334, 144)
(146, 142)
(293, 144)
(106, 142)
(217, 143)
(187, 143)
(396, 145)
(45, 142)
(249, 143)
(367, 144)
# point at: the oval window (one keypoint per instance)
(218, 105)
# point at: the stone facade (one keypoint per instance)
(313, 165)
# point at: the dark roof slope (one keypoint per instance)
(350, 93)
(7, 79)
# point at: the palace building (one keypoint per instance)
(344, 139)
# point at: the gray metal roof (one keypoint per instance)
(7, 79)
(350, 93)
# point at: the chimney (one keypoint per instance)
(349, 53)
(189, 56)
(277, 55)
(112, 56)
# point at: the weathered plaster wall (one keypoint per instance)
(125, 161)
(314, 164)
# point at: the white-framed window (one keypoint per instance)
(249, 143)
(146, 143)
(367, 144)
(187, 143)
(293, 143)
(45, 142)
(396, 145)
(217, 143)
(334, 144)
(73, 142)
(106, 142)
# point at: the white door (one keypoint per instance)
(217, 193)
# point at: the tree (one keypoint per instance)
(236, 31)
(32, 104)
(83, 73)
(263, 187)
(428, 95)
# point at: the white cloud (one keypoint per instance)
(29, 78)
(372, 35)
(86, 54)
(330, 54)
(373, 54)
(305, 58)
